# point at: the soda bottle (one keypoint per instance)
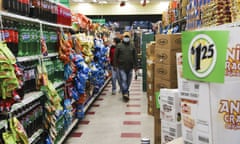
(15, 37)
(25, 7)
(6, 4)
(54, 11)
(23, 40)
(19, 7)
(35, 8)
(31, 40)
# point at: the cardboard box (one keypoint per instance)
(157, 130)
(195, 108)
(168, 41)
(170, 109)
(150, 87)
(161, 83)
(166, 72)
(150, 97)
(150, 109)
(166, 56)
(151, 102)
(150, 49)
(210, 110)
(150, 71)
(170, 131)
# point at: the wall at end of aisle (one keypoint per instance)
(115, 9)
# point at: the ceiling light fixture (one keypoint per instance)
(122, 3)
(102, 2)
(144, 2)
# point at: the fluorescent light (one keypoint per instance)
(78, 0)
(147, 1)
(103, 2)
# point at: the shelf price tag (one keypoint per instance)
(204, 55)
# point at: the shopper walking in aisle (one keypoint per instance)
(115, 72)
(125, 60)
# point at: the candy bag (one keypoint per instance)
(18, 131)
(8, 138)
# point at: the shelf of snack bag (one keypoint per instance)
(85, 67)
(34, 79)
(174, 19)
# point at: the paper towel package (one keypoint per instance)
(170, 105)
(170, 131)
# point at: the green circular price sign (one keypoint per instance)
(202, 55)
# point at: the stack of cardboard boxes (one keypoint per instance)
(170, 115)
(161, 73)
(150, 77)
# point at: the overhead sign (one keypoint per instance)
(100, 21)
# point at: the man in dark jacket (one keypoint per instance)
(125, 60)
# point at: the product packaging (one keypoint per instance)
(170, 131)
(170, 105)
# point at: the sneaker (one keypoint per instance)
(113, 93)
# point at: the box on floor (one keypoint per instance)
(210, 111)
(170, 131)
(170, 105)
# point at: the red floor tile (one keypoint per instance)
(76, 134)
(130, 135)
(99, 99)
(103, 94)
(90, 113)
(95, 105)
(84, 122)
(132, 113)
(133, 105)
(131, 123)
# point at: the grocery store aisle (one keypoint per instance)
(112, 121)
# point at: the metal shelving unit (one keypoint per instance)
(86, 106)
(34, 20)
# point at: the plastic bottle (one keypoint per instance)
(35, 8)
(23, 40)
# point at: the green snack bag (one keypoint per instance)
(11, 58)
(18, 131)
(8, 138)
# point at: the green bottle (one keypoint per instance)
(20, 38)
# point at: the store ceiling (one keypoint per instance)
(111, 1)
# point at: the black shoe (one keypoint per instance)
(126, 97)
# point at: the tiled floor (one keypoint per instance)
(112, 121)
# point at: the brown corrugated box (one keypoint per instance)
(161, 83)
(166, 72)
(157, 127)
(168, 41)
(150, 48)
(165, 56)
(150, 86)
(151, 102)
(150, 71)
